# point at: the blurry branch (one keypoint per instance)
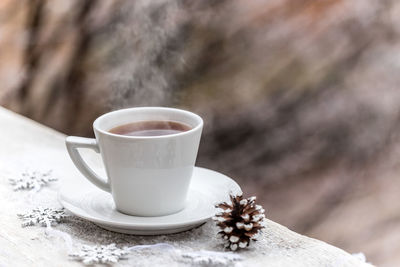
(88, 25)
(32, 51)
(55, 58)
(75, 72)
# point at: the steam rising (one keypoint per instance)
(146, 42)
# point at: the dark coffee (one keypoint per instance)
(150, 128)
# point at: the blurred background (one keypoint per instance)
(301, 99)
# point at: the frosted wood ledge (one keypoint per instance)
(27, 145)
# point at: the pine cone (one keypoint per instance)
(240, 221)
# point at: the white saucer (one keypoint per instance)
(206, 189)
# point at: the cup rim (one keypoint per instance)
(189, 113)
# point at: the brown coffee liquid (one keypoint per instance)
(150, 128)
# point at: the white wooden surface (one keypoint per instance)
(27, 145)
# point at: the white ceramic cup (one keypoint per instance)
(147, 175)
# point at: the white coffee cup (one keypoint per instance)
(147, 175)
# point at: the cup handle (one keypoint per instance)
(73, 143)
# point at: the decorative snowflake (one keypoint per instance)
(32, 180)
(42, 216)
(100, 254)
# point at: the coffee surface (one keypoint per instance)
(150, 128)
